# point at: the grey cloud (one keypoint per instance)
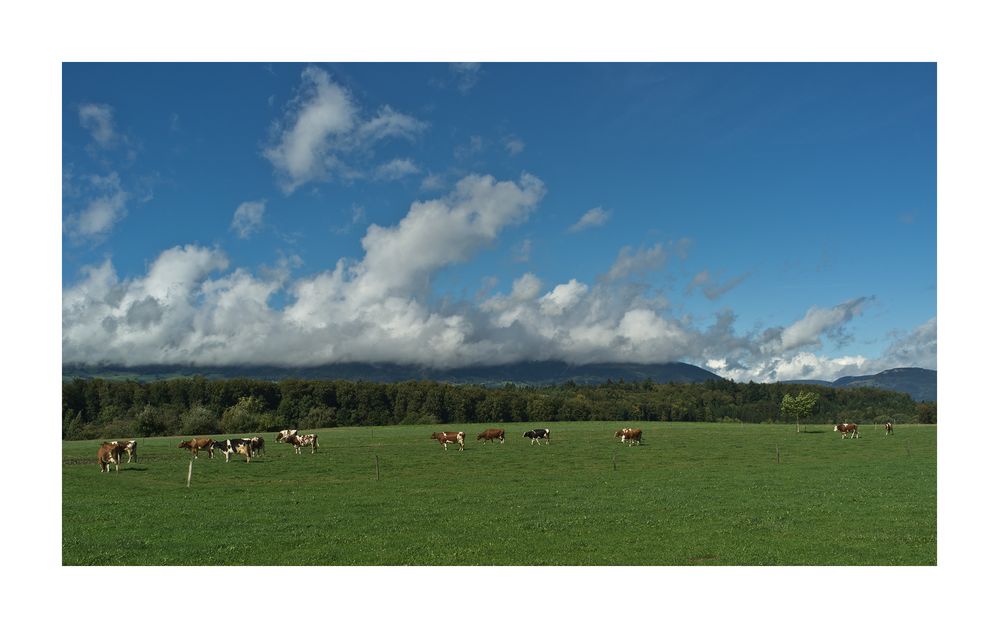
(917, 347)
(465, 75)
(710, 287)
(248, 218)
(635, 262)
(474, 146)
(395, 170)
(105, 206)
(514, 145)
(819, 321)
(144, 313)
(98, 120)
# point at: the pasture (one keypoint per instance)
(691, 494)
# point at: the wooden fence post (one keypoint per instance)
(190, 468)
(778, 455)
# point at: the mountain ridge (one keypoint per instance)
(522, 373)
(918, 383)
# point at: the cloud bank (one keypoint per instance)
(190, 307)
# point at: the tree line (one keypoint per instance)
(102, 408)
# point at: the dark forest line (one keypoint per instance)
(101, 408)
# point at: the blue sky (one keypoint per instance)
(766, 221)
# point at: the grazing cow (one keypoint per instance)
(847, 428)
(489, 435)
(889, 429)
(450, 437)
(196, 444)
(108, 453)
(305, 440)
(538, 434)
(130, 448)
(284, 436)
(230, 446)
(629, 435)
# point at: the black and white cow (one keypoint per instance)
(538, 434)
(241, 446)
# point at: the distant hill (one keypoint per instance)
(522, 373)
(920, 384)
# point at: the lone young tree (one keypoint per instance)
(799, 407)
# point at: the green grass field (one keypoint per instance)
(692, 494)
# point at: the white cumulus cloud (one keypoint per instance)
(592, 218)
(323, 127)
(396, 169)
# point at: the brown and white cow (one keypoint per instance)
(108, 453)
(629, 435)
(130, 448)
(491, 434)
(284, 436)
(305, 440)
(197, 444)
(256, 445)
(889, 428)
(847, 428)
(450, 437)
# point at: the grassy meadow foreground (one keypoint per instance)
(692, 494)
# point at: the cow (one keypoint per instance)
(108, 453)
(305, 440)
(847, 428)
(629, 435)
(284, 436)
(450, 437)
(196, 444)
(538, 434)
(256, 445)
(230, 446)
(491, 434)
(889, 428)
(130, 448)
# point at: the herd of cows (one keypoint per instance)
(536, 436)
(111, 452)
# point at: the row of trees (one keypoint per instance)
(101, 408)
